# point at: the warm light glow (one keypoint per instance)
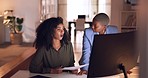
(104, 6)
(7, 11)
(78, 7)
(84, 7)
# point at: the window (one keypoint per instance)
(78, 7)
(104, 6)
(48, 8)
(87, 7)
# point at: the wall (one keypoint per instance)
(2, 31)
(29, 10)
(116, 8)
(94, 7)
(143, 37)
(62, 11)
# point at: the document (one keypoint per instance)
(74, 67)
(39, 76)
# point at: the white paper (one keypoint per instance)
(74, 67)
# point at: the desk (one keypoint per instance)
(27, 74)
(73, 22)
(19, 63)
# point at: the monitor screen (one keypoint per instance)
(110, 50)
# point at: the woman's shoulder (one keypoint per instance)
(69, 42)
(88, 31)
(41, 49)
(112, 27)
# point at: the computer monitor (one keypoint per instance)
(109, 51)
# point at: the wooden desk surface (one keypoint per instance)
(27, 74)
(21, 62)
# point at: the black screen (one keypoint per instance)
(109, 51)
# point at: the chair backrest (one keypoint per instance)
(80, 24)
(81, 16)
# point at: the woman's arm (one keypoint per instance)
(36, 65)
(86, 50)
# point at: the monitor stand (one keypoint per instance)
(122, 67)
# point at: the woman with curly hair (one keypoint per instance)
(54, 49)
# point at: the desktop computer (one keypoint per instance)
(113, 54)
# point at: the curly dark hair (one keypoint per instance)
(45, 32)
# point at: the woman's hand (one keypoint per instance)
(82, 72)
(56, 70)
(74, 71)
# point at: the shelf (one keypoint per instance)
(128, 30)
(128, 27)
(128, 21)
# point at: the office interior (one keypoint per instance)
(35, 11)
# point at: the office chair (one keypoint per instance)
(79, 25)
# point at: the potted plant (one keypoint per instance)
(19, 22)
(15, 26)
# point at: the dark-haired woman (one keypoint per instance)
(54, 49)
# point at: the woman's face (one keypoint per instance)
(98, 27)
(59, 32)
